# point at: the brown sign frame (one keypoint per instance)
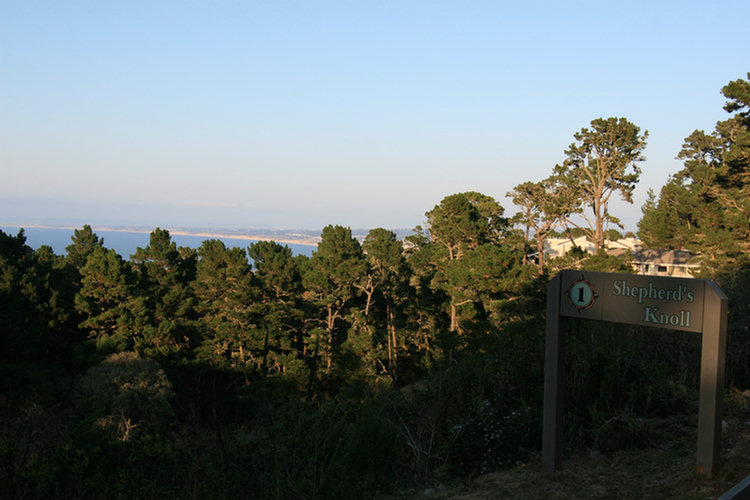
(686, 304)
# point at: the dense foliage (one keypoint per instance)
(705, 207)
(254, 373)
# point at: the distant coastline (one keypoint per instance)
(293, 237)
(305, 237)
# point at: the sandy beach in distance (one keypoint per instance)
(257, 235)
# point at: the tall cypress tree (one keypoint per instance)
(603, 161)
(544, 206)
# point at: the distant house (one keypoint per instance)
(623, 246)
(557, 247)
(679, 263)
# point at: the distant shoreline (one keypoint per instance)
(257, 236)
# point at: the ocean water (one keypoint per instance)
(125, 243)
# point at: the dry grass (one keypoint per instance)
(665, 471)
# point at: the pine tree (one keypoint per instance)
(164, 276)
(334, 269)
(282, 309)
(459, 225)
(36, 303)
(388, 280)
(84, 241)
(227, 295)
(115, 314)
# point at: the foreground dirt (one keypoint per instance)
(666, 471)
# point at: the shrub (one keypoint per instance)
(126, 394)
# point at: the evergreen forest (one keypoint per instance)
(371, 366)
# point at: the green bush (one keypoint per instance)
(338, 450)
(126, 395)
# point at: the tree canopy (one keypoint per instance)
(705, 207)
(603, 161)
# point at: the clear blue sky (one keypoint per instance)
(298, 114)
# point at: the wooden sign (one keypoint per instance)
(675, 303)
(691, 305)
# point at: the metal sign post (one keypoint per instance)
(685, 304)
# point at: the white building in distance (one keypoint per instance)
(678, 263)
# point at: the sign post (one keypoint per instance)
(685, 304)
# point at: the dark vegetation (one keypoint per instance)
(371, 366)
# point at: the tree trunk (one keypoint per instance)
(540, 252)
(599, 236)
(330, 322)
(392, 341)
(369, 290)
(313, 367)
(528, 230)
(266, 348)
(454, 318)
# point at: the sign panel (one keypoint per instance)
(686, 304)
(664, 302)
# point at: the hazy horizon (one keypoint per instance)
(300, 115)
(188, 228)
